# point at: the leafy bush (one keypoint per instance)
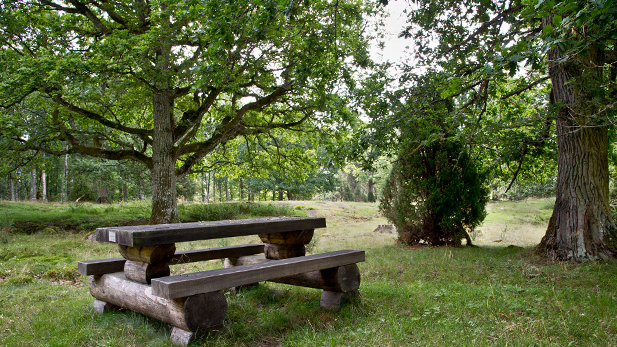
(436, 195)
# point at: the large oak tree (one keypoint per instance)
(164, 82)
(482, 54)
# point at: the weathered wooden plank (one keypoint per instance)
(100, 266)
(216, 253)
(146, 235)
(344, 278)
(111, 265)
(207, 281)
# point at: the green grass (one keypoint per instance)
(493, 295)
(29, 218)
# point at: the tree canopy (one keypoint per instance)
(487, 59)
(164, 83)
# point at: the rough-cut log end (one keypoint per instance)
(144, 272)
(102, 306)
(276, 251)
(148, 254)
(332, 301)
(181, 337)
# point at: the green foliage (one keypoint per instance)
(436, 195)
(212, 212)
(187, 188)
(526, 189)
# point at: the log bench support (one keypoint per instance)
(191, 316)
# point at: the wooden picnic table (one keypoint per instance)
(194, 303)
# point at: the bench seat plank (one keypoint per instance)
(178, 286)
(111, 265)
(147, 235)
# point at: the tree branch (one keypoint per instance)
(143, 133)
(527, 87)
(482, 29)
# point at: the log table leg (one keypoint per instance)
(286, 245)
(144, 272)
(147, 262)
(332, 301)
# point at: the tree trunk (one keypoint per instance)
(102, 195)
(43, 186)
(227, 188)
(142, 195)
(33, 185)
(12, 187)
(125, 191)
(241, 190)
(65, 177)
(203, 188)
(208, 189)
(581, 227)
(281, 195)
(164, 204)
(214, 187)
(220, 191)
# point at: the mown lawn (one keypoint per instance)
(498, 294)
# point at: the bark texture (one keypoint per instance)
(581, 227)
(164, 205)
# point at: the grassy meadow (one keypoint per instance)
(498, 294)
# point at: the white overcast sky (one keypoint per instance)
(395, 48)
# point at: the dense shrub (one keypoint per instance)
(436, 195)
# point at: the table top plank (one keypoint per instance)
(147, 235)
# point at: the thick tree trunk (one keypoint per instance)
(581, 223)
(164, 205)
(581, 227)
(33, 185)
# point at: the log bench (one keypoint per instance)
(194, 303)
